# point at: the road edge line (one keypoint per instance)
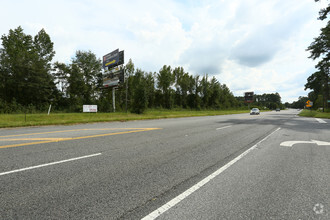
(155, 214)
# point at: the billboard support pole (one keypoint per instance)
(113, 99)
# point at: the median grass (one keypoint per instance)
(315, 114)
(21, 120)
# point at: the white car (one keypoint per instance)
(255, 111)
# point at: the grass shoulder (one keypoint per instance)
(314, 114)
(22, 120)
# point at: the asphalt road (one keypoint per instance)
(219, 167)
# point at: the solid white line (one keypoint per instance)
(224, 127)
(49, 164)
(320, 120)
(182, 196)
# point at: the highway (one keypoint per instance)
(270, 166)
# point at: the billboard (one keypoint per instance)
(248, 97)
(113, 77)
(121, 58)
(113, 70)
(107, 82)
(113, 59)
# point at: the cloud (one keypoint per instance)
(249, 45)
(262, 41)
(203, 59)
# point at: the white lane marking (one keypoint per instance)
(321, 121)
(182, 196)
(223, 127)
(49, 164)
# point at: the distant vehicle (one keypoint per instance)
(255, 111)
(278, 109)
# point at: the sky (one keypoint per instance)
(249, 45)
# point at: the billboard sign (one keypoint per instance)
(89, 108)
(113, 70)
(248, 97)
(121, 57)
(113, 78)
(110, 82)
(111, 59)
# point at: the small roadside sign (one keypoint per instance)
(89, 108)
(309, 104)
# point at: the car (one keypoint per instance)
(278, 109)
(255, 111)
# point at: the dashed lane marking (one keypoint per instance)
(48, 164)
(224, 127)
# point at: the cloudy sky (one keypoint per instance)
(249, 45)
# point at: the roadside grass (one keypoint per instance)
(22, 120)
(315, 114)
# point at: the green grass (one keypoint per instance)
(315, 114)
(21, 120)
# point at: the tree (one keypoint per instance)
(150, 88)
(80, 81)
(130, 69)
(215, 93)
(320, 48)
(139, 99)
(182, 82)
(25, 68)
(205, 91)
(195, 91)
(165, 79)
(88, 67)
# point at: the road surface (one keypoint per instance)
(272, 166)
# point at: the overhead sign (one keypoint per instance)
(89, 108)
(111, 59)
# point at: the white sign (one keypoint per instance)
(89, 108)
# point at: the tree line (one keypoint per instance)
(31, 81)
(81, 83)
